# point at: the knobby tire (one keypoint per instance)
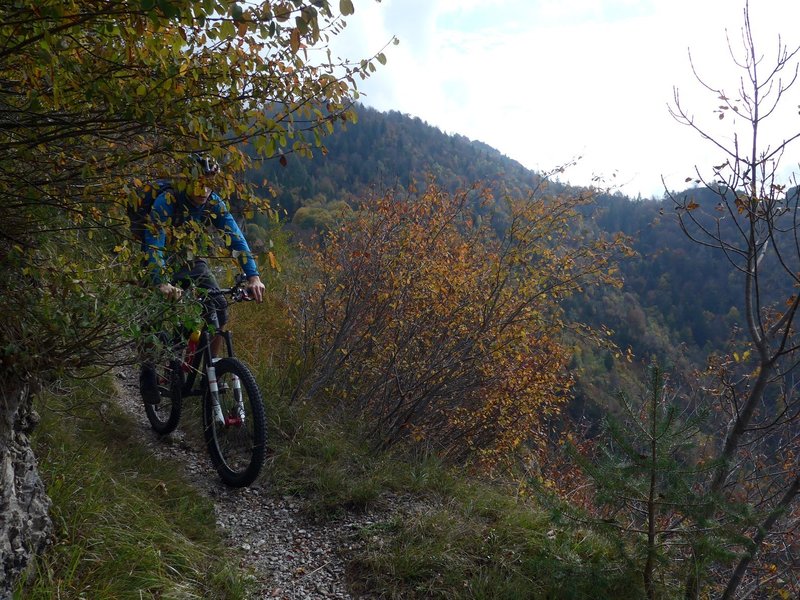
(238, 447)
(164, 417)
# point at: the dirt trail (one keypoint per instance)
(290, 556)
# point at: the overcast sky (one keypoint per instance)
(545, 81)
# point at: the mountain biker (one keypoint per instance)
(199, 204)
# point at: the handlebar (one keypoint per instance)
(238, 291)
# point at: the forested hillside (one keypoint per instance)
(384, 150)
(676, 302)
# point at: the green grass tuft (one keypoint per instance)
(481, 542)
(333, 470)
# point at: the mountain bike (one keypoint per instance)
(233, 409)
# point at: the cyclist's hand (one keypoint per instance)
(255, 288)
(170, 291)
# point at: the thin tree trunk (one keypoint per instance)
(732, 442)
(758, 539)
(649, 586)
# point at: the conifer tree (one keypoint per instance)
(643, 475)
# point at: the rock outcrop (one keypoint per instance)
(25, 525)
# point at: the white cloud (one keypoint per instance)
(546, 80)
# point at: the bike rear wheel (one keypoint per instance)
(165, 415)
(235, 431)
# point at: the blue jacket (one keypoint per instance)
(214, 209)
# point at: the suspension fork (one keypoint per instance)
(211, 377)
(213, 385)
(237, 385)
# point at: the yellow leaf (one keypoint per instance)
(273, 262)
(294, 40)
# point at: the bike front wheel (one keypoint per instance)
(234, 423)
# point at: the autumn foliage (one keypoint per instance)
(439, 330)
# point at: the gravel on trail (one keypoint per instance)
(290, 556)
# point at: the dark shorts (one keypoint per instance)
(215, 307)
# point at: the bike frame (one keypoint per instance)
(201, 359)
(202, 355)
(203, 363)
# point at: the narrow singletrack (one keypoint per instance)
(289, 556)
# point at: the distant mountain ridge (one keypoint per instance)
(384, 150)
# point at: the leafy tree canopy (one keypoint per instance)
(97, 96)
